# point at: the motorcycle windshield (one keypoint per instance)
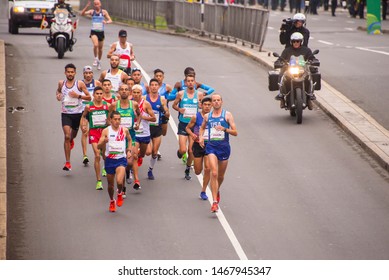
(61, 15)
(301, 61)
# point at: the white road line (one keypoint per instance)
(349, 29)
(325, 42)
(369, 50)
(222, 219)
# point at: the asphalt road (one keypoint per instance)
(291, 191)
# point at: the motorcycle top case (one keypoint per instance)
(273, 80)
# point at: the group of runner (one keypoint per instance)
(125, 119)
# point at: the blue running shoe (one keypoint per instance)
(150, 174)
(203, 196)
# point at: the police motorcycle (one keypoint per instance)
(298, 83)
(62, 29)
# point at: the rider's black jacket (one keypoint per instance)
(285, 35)
(288, 52)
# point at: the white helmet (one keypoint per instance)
(299, 17)
(297, 36)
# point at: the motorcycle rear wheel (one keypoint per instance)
(61, 47)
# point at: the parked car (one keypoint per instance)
(27, 13)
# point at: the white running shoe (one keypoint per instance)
(99, 65)
(95, 62)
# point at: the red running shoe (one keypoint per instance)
(72, 144)
(119, 202)
(140, 161)
(215, 207)
(67, 166)
(112, 206)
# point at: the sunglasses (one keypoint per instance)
(295, 41)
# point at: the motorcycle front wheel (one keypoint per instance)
(61, 45)
(299, 105)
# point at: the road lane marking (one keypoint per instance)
(325, 42)
(222, 219)
(369, 50)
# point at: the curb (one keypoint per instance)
(3, 157)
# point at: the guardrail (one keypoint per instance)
(236, 22)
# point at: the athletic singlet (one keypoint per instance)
(217, 137)
(144, 89)
(127, 115)
(89, 87)
(196, 127)
(109, 101)
(71, 105)
(116, 80)
(97, 21)
(144, 126)
(157, 109)
(190, 105)
(124, 55)
(116, 146)
(162, 90)
(98, 115)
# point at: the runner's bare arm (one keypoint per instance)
(84, 11)
(83, 88)
(149, 111)
(103, 139)
(188, 128)
(176, 101)
(202, 129)
(232, 130)
(58, 93)
(107, 17)
(111, 50)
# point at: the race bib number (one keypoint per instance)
(127, 122)
(140, 129)
(156, 123)
(124, 62)
(206, 134)
(116, 147)
(190, 111)
(99, 120)
(70, 102)
(217, 135)
(97, 26)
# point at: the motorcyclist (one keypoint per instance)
(296, 24)
(62, 5)
(297, 48)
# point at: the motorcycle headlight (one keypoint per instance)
(18, 9)
(294, 70)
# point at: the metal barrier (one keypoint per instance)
(143, 11)
(239, 23)
(236, 22)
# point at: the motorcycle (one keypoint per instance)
(298, 83)
(61, 36)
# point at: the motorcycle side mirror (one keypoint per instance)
(276, 54)
(315, 52)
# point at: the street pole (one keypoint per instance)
(202, 18)
(373, 17)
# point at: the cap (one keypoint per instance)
(122, 33)
(87, 69)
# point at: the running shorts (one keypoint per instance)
(198, 151)
(111, 164)
(72, 120)
(181, 129)
(222, 152)
(95, 135)
(144, 140)
(155, 131)
(99, 34)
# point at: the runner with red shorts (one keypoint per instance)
(97, 110)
